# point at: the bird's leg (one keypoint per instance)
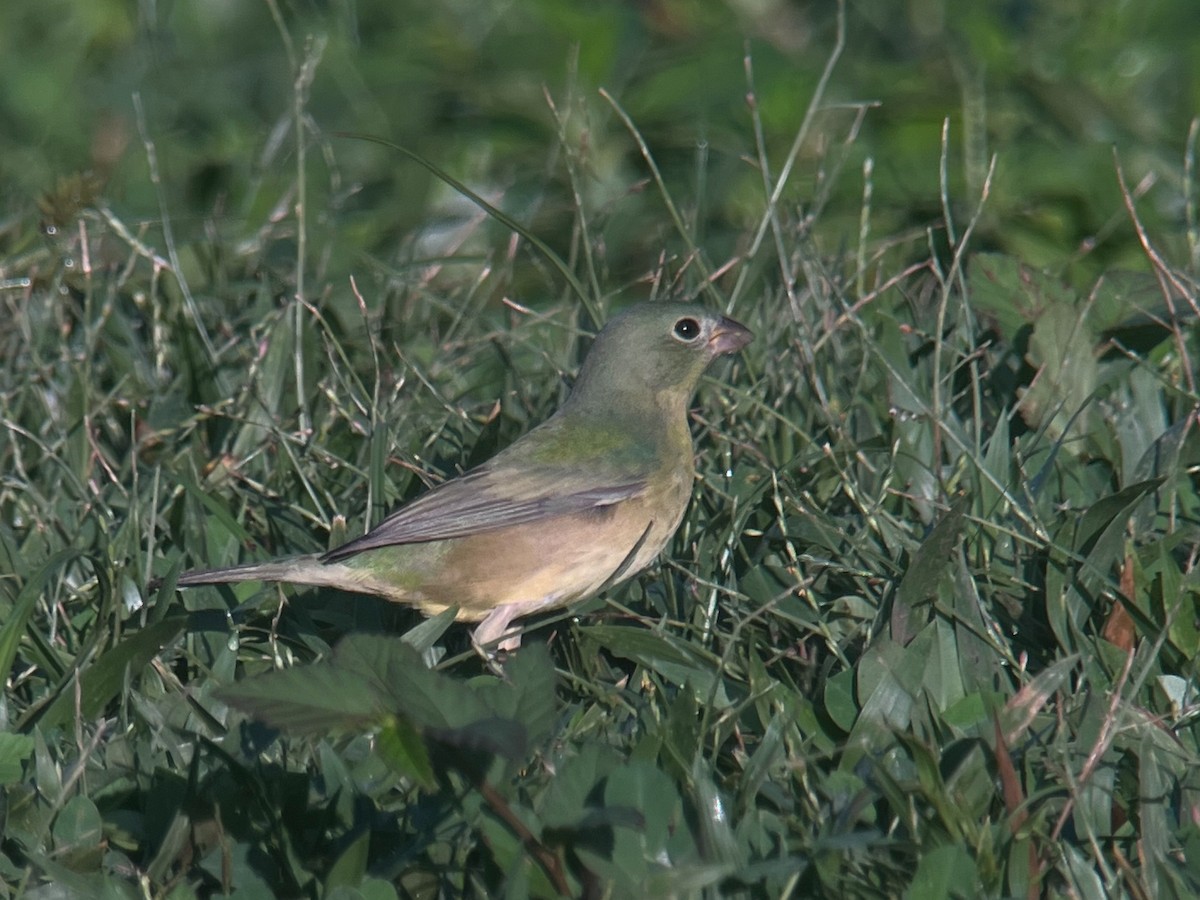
(492, 634)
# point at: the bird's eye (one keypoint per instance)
(687, 329)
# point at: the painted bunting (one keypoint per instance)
(581, 502)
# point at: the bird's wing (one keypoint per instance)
(485, 499)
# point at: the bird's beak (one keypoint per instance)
(729, 337)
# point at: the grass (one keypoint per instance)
(929, 626)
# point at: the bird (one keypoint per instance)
(581, 502)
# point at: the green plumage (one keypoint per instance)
(586, 499)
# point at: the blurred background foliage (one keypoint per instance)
(1052, 89)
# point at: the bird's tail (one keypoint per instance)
(307, 570)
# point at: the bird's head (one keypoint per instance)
(655, 353)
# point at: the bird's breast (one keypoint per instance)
(551, 562)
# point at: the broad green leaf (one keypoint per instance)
(1029, 701)
(350, 868)
(713, 817)
(1155, 813)
(521, 875)
(925, 571)
(1099, 519)
(527, 694)
(402, 748)
(1082, 878)
(63, 878)
(377, 889)
(839, 699)
(372, 681)
(676, 660)
(14, 625)
(682, 734)
(104, 679)
(15, 751)
(978, 661)
(1097, 539)
(943, 681)
(973, 712)
(311, 699)
(423, 636)
(999, 293)
(78, 823)
(404, 684)
(1141, 425)
(766, 757)
(997, 462)
(218, 512)
(1063, 351)
(1093, 810)
(653, 797)
(565, 802)
(946, 873)
(888, 690)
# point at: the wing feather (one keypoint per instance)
(484, 500)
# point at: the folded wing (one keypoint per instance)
(484, 500)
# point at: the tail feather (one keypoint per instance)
(296, 570)
(305, 570)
